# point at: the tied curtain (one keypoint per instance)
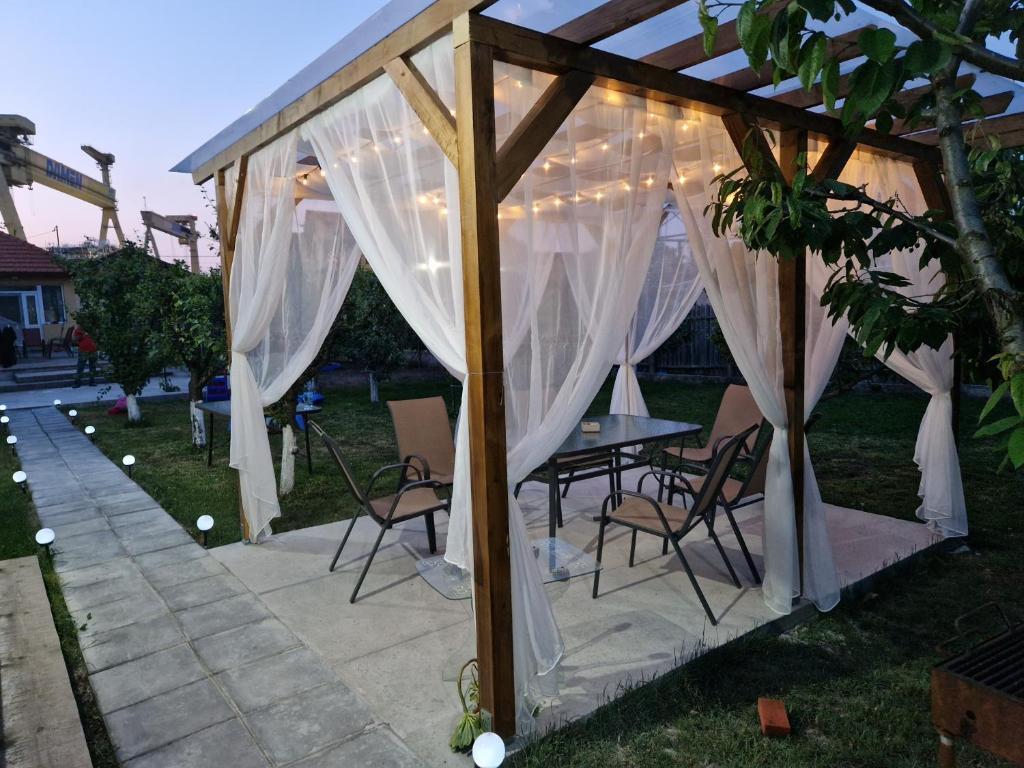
(671, 289)
(743, 290)
(941, 488)
(290, 274)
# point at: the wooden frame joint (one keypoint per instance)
(425, 102)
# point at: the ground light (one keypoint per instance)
(73, 414)
(12, 441)
(91, 432)
(488, 750)
(56, 403)
(44, 538)
(129, 461)
(204, 524)
(5, 420)
(21, 479)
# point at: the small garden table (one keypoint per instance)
(223, 408)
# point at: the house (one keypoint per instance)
(35, 291)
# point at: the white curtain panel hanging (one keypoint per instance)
(941, 488)
(670, 290)
(289, 277)
(742, 288)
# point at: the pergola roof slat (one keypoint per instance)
(610, 18)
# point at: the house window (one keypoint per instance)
(53, 304)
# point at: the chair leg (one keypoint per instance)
(632, 547)
(568, 482)
(721, 551)
(664, 546)
(431, 533)
(743, 545)
(351, 525)
(600, 549)
(366, 567)
(693, 582)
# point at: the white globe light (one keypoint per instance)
(2, 407)
(19, 477)
(488, 750)
(90, 430)
(204, 523)
(45, 536)
(4, 419)
(11, 439)
(56, 402)
(72, 413)
(128, 460)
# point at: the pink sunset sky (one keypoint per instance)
(148, 82)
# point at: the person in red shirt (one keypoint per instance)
(86, 354)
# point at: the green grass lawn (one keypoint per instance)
(855, 681)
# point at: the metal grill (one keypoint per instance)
(979, 696)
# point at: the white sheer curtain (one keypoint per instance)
(671, 289)
(743, 290)
(288, 281)
(941, 489)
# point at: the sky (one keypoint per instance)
(148, 82)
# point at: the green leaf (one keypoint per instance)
(924, 57)
(821, 10)
(830, 83)
(709, 24)
(998, 426)
(757, 42)
(883, 122)
(1015, 448)
(779, 41)
(994, 399)
(1017, 392)
(812, 56)
(877, 44)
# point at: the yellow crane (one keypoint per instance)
(21, 166)
(181, 227)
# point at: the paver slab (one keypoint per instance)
(263, 682)
(245, 644)
(379, 748)
(106, 649)
(202, 620)
(208, 590)
(143, 678)
(225, 745)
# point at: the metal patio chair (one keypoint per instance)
(424, 437)
(410, 500)
(642, 513)
(736, 412)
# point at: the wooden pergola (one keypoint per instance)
(487, 175)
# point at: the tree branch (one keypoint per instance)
(971, 51)
(859, 196)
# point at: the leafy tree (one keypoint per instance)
(124, 296)
(975, 246)
(194, 332)
(370, 329)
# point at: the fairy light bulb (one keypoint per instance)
(547, 166)
(604, 147)
(625, 186)
(716, 167)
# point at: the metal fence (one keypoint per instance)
(695, 348)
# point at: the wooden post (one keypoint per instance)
(474, 88)
(936, 197)
(227, 228)
(793, 319)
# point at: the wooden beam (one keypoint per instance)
(610, 18)
(936, 197)
(793, 320)
(236, 213)
(832, 161)
(538, 126)
(481, 276)
(426, 26)
(750, 142)
(690, 51)
(1009, 129)
(551, 54)
(426, 104)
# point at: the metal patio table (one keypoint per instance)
(617, 432)
(223, 408)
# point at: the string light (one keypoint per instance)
(625, 186)
(716, 168)
(649, 181)
(547, 166)
(682, 179)
(604, 147)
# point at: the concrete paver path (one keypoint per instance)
(189, 667)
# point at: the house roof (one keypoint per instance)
(18, 258)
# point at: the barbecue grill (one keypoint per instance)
(978, 696)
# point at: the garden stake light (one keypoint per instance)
(44, 538)
(12, 441)
(129, 461)
(73, 414)
(5, 420)
(56, 403)
(21, 479)
(204, 524)
(488, 750)
(91, 432)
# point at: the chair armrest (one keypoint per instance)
(434, 484)
(422, 460)
(620, 494)
(390, 468)
(661, 474)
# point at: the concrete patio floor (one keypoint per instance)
(401, 645)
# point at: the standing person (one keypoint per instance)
(86, 354)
